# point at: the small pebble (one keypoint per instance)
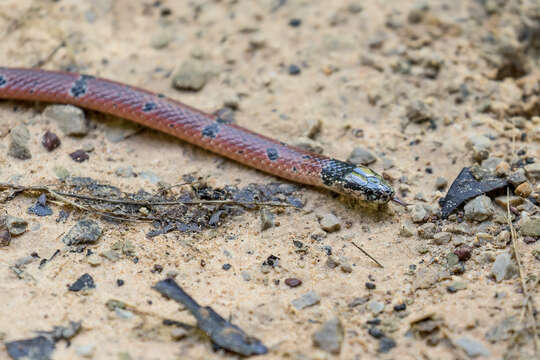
(293, 282)
(370, 286)
(70, 119)
(330, 223)
(329, 336)
(191, 76)
(530, 226)
(332, 262)
(178, 333)
(267, 219)
(345, 267)
(123, 314)
(124, 171)
(503, 268)
(502, 169)
(83, 232)
(418, 213)
(40, 207)
(79, 156)
(441, 183)
(524, 190)
(16, 226)
(427, 230)
(226, 267)
(406, 229)
(120, 282)
(533, 171)
(375, 307)
(386, 344)
(245, 275)
(442, 238)
(517, 177)
(294, 69)
(492, 163)
(376, 332)
(310, 298)
(361, 156)
(472, 347)
(463, 252)
(94, 260)
(479, 209)
(503, 201)
(295, 22)
(18, 147)
(160, 40)
(5, 237)
(83, 283)
(400, 307)
(85, 350)
(50, 141)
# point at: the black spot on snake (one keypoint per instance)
(272, 153)
(240, 151)
(149, 106)
(306, 157)
(3, 81)
(211, 130)
(80, 86)
(294, 169)
(160, 95)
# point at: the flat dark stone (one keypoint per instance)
(466, 187)
(38, 348)
(223, 334)
(82, 283)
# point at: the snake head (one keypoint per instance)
(359, 182)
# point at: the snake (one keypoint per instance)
(208, 131)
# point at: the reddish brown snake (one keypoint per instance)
(196, 127)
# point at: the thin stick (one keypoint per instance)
(135, 202)
(528, 298)
(365, 253)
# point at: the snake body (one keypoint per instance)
(194, 126)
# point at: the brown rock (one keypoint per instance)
(524, 190)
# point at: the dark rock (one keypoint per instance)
(40, 208)
(83, 283)
(293, 282)
(84, 232)
(50, 141)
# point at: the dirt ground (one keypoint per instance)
(411, 82)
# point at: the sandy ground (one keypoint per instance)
(363, 65)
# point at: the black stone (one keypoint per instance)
(40, 208)
(294, 69)
(376, 332)
(466, 187)
(40, 347)
(386, 344)
(295, 22)
(83, 283)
